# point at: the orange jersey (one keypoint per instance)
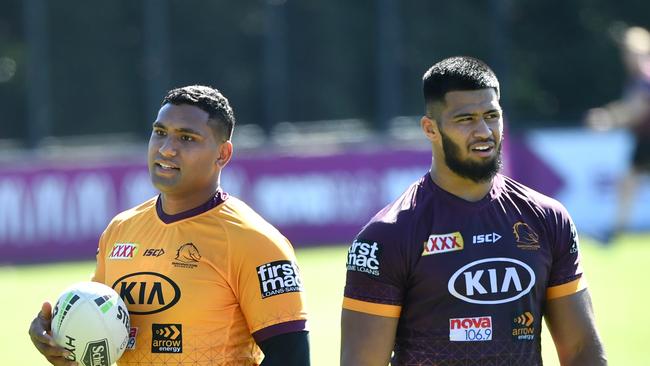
(201, 286)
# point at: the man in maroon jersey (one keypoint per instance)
(462, 267)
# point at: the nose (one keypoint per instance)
(483, 130)
(167, 148)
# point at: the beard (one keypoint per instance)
(478, 172)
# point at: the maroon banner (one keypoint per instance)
(57, 211)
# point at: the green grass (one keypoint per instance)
(617, 278)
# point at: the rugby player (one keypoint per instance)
(461, 269)
(206, 280)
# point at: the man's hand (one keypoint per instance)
(40, 333)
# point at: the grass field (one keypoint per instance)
(618, 279)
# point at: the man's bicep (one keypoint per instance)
(571, 322)
(366, 339)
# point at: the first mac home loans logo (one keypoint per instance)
(279, 277)
(364, 257)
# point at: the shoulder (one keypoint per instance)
(521, 194)
(245, 227)
(400, 215)
(134, 214)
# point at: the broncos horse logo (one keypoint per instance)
(188, 253)
(525, 236)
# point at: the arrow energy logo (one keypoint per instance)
(522, 328)
(167, 338)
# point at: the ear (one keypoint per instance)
(430, 128)
(225, 153)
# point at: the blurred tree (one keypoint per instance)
(555, 58)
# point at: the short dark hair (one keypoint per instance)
(211, 101)
(456, 74)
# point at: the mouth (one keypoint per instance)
(166, 166)
(482, 148)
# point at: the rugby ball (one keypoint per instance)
(91, 321)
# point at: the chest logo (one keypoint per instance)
(492, 281)
(486, 238)
(123, 251)
(523, 328)
(475, 329)
(187, 256)
(443, 243)
(147, 292)
(525, 236)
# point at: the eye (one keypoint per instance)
(159, 132)
(187, 138)
(494, 115)
(465, 119)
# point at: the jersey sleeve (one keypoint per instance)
(566, 276)
(376, 272)
(100, 260)
(268, 284)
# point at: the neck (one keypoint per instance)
(173, 204)
(461, 187)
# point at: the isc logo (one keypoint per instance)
(492, 281)
(486, 238)
(443, 243)
(152, 252)
(278, 277)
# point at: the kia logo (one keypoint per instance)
(147, 292)
(492, 281)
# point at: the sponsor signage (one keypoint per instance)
(492, 281)
(166, 338)
(123, 251)
(474, 329)
(279, 277)
(52, 210)
(485, 238)
(364, 257)
(522, 327)
(133, 334)
(96, 354)
(443, 243)
(153, 252)
(147, 292)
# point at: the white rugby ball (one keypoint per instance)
(91, 321)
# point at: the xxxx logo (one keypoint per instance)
(123, 251)
(442, 243)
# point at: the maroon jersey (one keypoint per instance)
(467, 280)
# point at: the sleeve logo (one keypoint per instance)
(279, 277)
(364, 257)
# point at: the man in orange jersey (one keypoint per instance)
(206, 280)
